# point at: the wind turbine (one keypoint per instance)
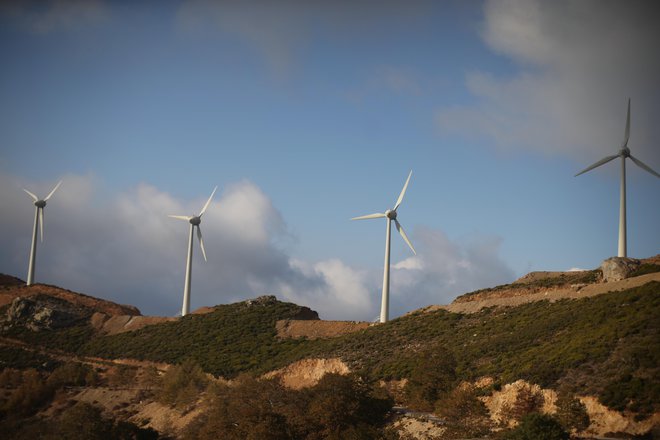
(623, 153)
(390, 214)
(38, 223)
(194, 223)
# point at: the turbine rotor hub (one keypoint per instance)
(391, 214)
(195, 221)
(40, 203)
(625, 152)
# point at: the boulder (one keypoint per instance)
(38, 314)
(618, 268)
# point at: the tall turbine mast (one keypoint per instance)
(390, 214)
(194, 221)
(624, 153)
(38, 224)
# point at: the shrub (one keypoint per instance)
(527, 402)
(72, 374)
(30, 396)
(465, 415)
(433, 375)
(182, 384)
(338, 407)
(571, 413)
(537, 426)
(122, 376)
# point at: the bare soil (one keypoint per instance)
(317, 329)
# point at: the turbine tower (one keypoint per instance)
(390, 214)
(623, 153)
(194, 223)
(38, 223)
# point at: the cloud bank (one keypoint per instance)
(576, 62)
(125, 248)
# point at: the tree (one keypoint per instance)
(182, 384)
(527, 401)
(71, 374)
(465, 415)
(83, 421)
(344, 407)
(535, 426)
(434, 374)
(571, 413)
(30, 396)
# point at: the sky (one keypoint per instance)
(308, 113)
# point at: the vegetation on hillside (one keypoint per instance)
(564, 279)
(338, 407)
(232, 339)
(605, 345)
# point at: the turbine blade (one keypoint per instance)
(41, 223)
(643, 166)
(201, 242)
(181, 217)
(364, 217)
(597, 164)
(208, 202)
(403, 234)
(403, 192)
(53, 191)
(31, 195)
(627, 135)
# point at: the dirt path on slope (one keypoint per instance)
(515, 297)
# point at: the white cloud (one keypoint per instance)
(125, 248)
(577, 63)
(444, 269)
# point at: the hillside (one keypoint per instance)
(603, 348)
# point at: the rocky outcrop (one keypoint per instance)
(304, 313)
(605, 421)
(8, 292)
(307, 372)
(43, 313)
(618, 268)
(113, 324)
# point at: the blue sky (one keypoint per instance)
(306, 114)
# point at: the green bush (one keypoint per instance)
(72, 374)
(571, 413)
(433, 374)
(338, 407)
(182, 384)
(465, 415)
(32, 394)
(537, 426)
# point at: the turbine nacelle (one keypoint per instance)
(195, 221)
(40, 203)
(391, 214)
(625, 152)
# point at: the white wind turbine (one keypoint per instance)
(38, 223)
(390, 214)
(194, 223)
(623, 153)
